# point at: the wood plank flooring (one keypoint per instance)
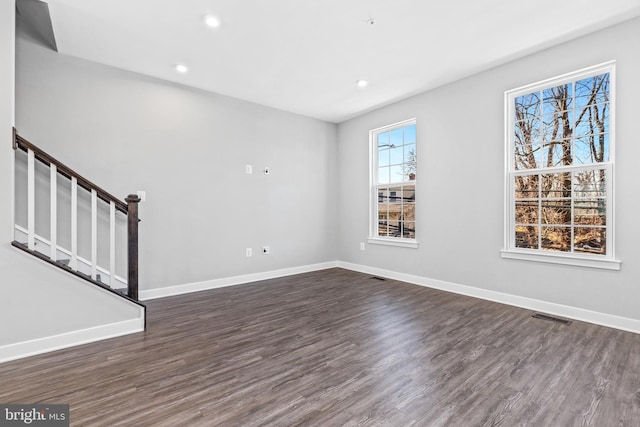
(335, 348)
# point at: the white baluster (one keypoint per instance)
(112, 244)
(54, 212)
(73, 263)
(31, 200)
(94, 234)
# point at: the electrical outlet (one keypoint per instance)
(362, 246)
(248, 169)
(249, 252)
(266, 250)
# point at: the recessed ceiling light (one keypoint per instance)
(362, 83)
(212, 21)
(181, 68)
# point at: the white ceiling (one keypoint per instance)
(305, 56)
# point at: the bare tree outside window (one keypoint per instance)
(560, 144)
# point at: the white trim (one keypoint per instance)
(595, 317)
(562, 258)
(70, 339)
(390, 241)
(232, 281)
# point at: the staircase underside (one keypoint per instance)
(62, 265)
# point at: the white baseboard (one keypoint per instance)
(70, 339)
(598, 318)
(231, 281)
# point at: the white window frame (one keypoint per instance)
(510, 251)
(374, 238)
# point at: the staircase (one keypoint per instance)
(67, 221)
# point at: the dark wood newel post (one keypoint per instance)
(132, 221)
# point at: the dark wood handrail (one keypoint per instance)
(24, 145)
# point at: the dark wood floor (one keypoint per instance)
(336, 348)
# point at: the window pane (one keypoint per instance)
(527, 212)
(409, 194)
(557, 153)
(590, 240)
(592, 149)
(592, 90)
(383, 210)
(394, 227)
(409, 212)
(528, 132)
(383, 175)
(594, 120)
(383, 157)
(527, 106)
(526, 186)
(589, 184)
(409, 230)
(396, 156)
(526, 237)
(559, 98)
(383, 229)
(556, 185)
(556, 238)
(383, 195)
(410, 134)
(383, 140)
(557, 126)
(395, 195)
(590, 212)
(527, 157)
(410, 160)
(556, 211)
(396, 173)
(396, 137)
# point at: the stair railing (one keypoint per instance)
(116, 207)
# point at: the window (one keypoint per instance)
(393, 188)
(560, 143)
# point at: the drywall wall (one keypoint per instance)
(460, 187)
(36, 300)
(7, 52)
(188, 150)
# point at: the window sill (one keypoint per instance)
(566, 259)
(403, 243)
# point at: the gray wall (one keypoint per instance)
(188, 150)
(37, 301)
(460, 189)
